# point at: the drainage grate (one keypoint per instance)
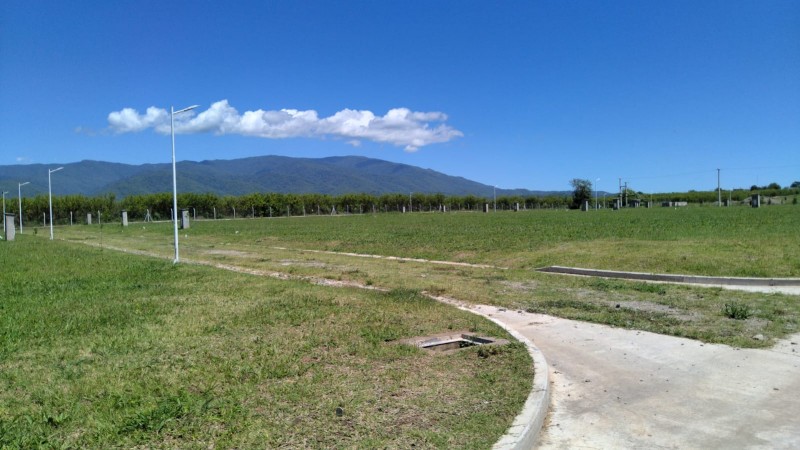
(448, 342)
(448, 345)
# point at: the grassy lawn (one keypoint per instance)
(700, 240)
(735, 241)
(104, 349)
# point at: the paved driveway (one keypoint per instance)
(615, 388)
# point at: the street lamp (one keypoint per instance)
(4, 210)
(19, 197)
(50, 192)
(174, 176)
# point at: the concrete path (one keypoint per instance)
(615, 388)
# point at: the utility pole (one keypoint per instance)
(719, 192)
(620, 193)
(626, 194)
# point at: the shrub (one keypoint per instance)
(736, 311)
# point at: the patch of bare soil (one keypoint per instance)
(292, 262)
(524, 286)
(236, 253)
(654, 307)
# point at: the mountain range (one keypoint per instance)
(332, 175)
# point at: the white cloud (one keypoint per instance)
(129, 120)
(399, 126)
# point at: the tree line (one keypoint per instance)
(582, 192)
(74, 208)
(270, 204)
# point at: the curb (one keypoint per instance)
(525, 428)
(689, 279)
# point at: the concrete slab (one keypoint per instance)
(616, 388)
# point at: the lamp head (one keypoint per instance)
(185, 109)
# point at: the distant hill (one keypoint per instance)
(334, 175)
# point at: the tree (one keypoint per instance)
(796, 184)
(582, 191)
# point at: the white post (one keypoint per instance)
(50, 192)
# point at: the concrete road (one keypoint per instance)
(615, 388)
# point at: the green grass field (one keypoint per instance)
(101, 349)
(696, 240)
(702, 241)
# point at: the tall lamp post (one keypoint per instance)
(174, 176)
(50, 192)
(19, 197)
(4, 210)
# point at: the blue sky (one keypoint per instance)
(518, 94)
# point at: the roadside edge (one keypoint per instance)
(525, 429)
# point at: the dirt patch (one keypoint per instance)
(654, 307)
(523, 286)
(236, 253)
(292, 262)
(754, 324)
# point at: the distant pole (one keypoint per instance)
(495, 198)
(19, 197)
(626, 194)
(4, 210)
(595, 193)
(719, 192)
(50, 192)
